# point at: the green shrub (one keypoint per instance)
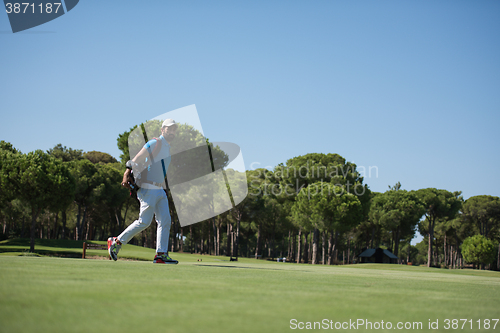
(478, 250)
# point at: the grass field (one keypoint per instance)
(51, 294)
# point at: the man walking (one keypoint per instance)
(151, 165)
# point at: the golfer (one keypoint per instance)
(152, 197)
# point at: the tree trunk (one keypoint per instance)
(22, 228)
(54, 227)
(309, 254)
(87, 232)
(323, 241)
(40, 230)
(282, 246)
(348, 250)
(181, 241)
(305, 258)
(330, 248)
(431, 237)
(218, 240)
(289, 245)
(82, 224)
(457, 249)
(4, 229)
(257, 246)
(373, 237)
(299, 244)
(49, 230)
(64, 224)
(335, 254)
(396, 243)
(237, 236)
(354, 253)
(34, 215)
(452, 257)
(408, 259)
(215, 236)
(144, 238)
(124, 218)
(118, 223)
(444, 251)
(84, 220)
(315, 246)
(391, 248)
(201, 243)
(498, 260)
(152, 238)
(272, 248)
(233, 242)
(175, 229)
(78, 220)
(228, 245)
(191, 238)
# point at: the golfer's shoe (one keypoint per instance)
(164, 259)
(113, 247)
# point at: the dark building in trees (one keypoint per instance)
(377, 256)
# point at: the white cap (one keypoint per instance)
(168, 122)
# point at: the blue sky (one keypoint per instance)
(411, 88)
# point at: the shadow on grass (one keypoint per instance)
(46, 253)
(65, 243)
(62, 248)
(228, 266)
(246, 267)
(50, 247)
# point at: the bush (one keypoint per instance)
(478, 250)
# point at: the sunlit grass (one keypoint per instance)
(48, 294)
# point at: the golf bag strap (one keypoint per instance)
(152, 155)
(156, 150)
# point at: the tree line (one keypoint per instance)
(313, 209)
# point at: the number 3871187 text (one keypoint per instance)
(27, 8)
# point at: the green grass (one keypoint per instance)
(69, 249)
(49, 294)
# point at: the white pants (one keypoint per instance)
(153, 201)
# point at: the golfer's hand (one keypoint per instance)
(125, 180)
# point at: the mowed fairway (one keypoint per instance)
(44, 294)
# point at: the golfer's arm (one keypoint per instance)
(141, 156)
(139, 165)
(138, 162)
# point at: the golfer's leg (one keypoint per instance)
(145, 216)
(164, 222)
